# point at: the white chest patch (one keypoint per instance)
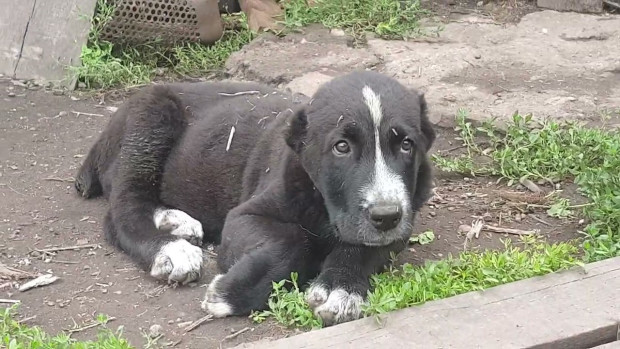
(386, 186)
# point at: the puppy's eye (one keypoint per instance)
(342, 148)
(406, 145)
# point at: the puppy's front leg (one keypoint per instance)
(339, 291)
(256, 250)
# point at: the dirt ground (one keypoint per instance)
(43, 138)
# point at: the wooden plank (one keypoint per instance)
(593, 6)
(577, 308)
(14, 18)
(612, 345)
(55, 34)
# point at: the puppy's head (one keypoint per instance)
(363, 140)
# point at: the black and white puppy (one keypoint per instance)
(328, 188)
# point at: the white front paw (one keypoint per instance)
(214, 302)
(179, 223)
(177, 261)
(335, 306)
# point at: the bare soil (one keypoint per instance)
(43, 138)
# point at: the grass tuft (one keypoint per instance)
(14, 335)
(389, 19)
(288, 307)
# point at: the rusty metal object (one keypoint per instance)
(166, 21)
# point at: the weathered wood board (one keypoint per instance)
(39, 39)
(578, 308)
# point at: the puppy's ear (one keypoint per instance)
(297, 129)
(425, 125)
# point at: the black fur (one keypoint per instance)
(278, 200)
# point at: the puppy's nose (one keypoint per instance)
(385, 216)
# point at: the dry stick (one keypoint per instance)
(541, 220)
(63, 262)
(11, 301)
(67, 248)
(56, 179)
(230, 138)
(78, 113)
(238, 93)
(508, 230)
(95, 324)
(231, 336)
(198, 323)
(27, 319)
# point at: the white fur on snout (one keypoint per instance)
(177, 261)
(334, 307)
(215, 303)
(179, 223)
(386, 186)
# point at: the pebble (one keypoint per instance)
(154, 331)
(432, 213)
(11, 94)
(337, 32)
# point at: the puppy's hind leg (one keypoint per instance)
(155, 122)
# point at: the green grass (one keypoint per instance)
(409, 285)
(106, 65)
(555, 152)
(389, 19)
(524, 148)
(14, 335)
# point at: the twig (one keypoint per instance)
(67, 248)
(78, 113)
(570, 207)
(541, 220)
(238, 93)
(95, 324)
(230, 138)
(453, 148)
(234, 335)
(56, 179)
(42, 280)
(11, 301)
(63, 262)
(508, 230)
(198, 323)
(8, 273)
(27, 319)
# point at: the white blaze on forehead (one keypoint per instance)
(386, 185)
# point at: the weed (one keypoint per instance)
(389, 19)
(555, 152)
(14, 335)
(288, 306)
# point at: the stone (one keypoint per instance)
(307, 84)
(591, 6)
